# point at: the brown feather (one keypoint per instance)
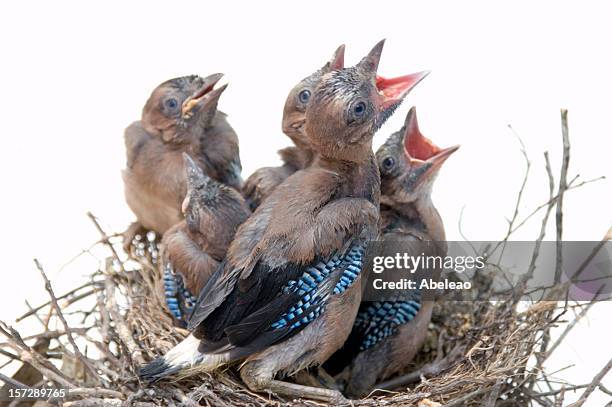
(154, 178)
(263, 181)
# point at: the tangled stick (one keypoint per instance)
(478, 352)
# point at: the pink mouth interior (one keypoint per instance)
(395, 88)
(416, 145)
(192, 101)
(420, 147)
(203, 91)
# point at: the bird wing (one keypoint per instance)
(135, 138)
(224, 279)
(219, 146)
(231, 173)
(273, 304)
(262, 182)
(380, 319)
(377, 320)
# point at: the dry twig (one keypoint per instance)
(483, 360)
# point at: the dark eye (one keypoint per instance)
(388, 163)
(171, 104)
(359, 109)
(304, 96)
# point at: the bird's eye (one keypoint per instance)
(357, 112)
(304, 96)
(388, 163)
(359, 109)
(171, 104)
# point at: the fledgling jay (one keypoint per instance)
(179, 117)
(387, 334)
(193, 248)
(288, 291)
(262, 182)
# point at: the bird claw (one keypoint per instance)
(139, 242)
(132, 236)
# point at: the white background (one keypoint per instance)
(74, 75)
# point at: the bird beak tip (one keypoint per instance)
(393, 90)
(204, 95)
(443, 154)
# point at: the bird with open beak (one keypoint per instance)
(180, 116)
(193, 248)
(287, 293)
(387, 334)
(262, 182)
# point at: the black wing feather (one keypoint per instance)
(251, 297)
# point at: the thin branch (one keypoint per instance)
(536, 250)
(494, 395)
(569, 327)
(120, 326)
(570, 187)
(106, 239)
(12, 382)
(9, 355)
(29, 355)
(519, 197)
(604, 389)
(563, 389)
(58, 311)
(461, 401)
(460, 226)
(100, 402)
(562, 188)
(429, 370)
(591, 256)
(594, 383)
(93, 392)
(68, 294)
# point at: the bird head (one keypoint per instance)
(207, 199)
(295, 106)
(182, 106)
(201, 190)
(349, 105)
(409, 163)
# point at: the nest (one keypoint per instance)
(478, 353)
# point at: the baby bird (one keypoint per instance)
(388, 334)
(180, 116)
(263, 181)
(288, 291)
(193, 248)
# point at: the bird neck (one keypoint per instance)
(337, 148)
(350, 158)
(333, 164)
(360, 179)
(421, 212)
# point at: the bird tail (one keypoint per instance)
(185, 356)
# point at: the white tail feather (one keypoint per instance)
(184, 358)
